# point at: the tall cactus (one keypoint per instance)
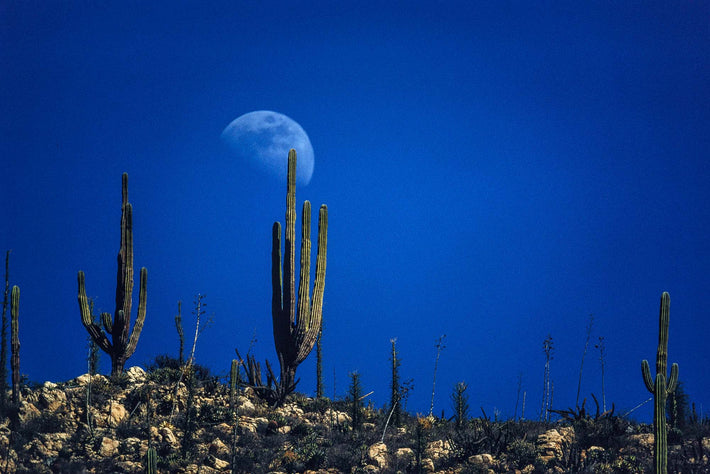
(15, 343)
(296, 332)
(123, 340)
(660, 387)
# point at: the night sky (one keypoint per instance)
(495, 172)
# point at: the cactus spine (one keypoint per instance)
(15, 343)
(660, 387)
(295, 333)
(123, 340)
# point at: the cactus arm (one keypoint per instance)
(280, 322)
(673, 379)
(663, 319)
(94, 330)
(315, 315)
(646, 373)
(140, 317)
(107, 322)
(304, 305)
(124, 283)
(289, 281)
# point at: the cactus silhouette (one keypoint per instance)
(15, 343)
(295, 333)
(123, 341)
(660, 387)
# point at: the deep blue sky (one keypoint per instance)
(494, 172)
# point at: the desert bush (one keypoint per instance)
(522, 453)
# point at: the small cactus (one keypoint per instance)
(124, 341)
(151, 461)
(660, 387)
(233, 380)
(15, 343)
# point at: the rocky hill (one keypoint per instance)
(97, 425)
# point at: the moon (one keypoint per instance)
(263, 138)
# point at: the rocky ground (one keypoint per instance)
(97, 425)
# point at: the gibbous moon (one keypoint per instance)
(264, 138)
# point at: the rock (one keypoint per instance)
(378, 454)
(82, 380)
(428, 465)
(216, 463)
(27, 411)
(405, 456)
(245, 406)
(219, 449)
(108, 447)
(481, 459)
(438, 449)
(116, 414)
(50, 399)
(130, 446)
(552, 442)
(136, 375)
(169, 437)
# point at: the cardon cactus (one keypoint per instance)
(124, 341)
(15, 343)
(296, 331)
(660, 387)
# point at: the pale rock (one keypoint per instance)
(438, 449)
(552, 442)
(245, 406)
(27, 411)
(49, 385)
(82, 380)
(169, 437)
(130, 446)
(368, 427)
(116, 414)
(284, 429)
(290, 409)
(369, 468)
(378, 454)
(405, 455)
(428, 465)
(215, 462)
(218, 448)
(108, 447)
(136, 375)
(50, 399)
(481, 459)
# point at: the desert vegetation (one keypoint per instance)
(177, 416)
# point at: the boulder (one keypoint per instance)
(108, 447)
(377, 453)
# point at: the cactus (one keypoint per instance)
(181, 333)
(295, 332)
(123, 340)
(233, 381)
(151, 461)
(660, 387)
(15, 343)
